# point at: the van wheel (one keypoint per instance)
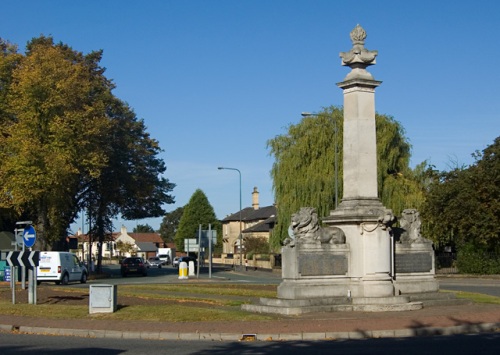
(84, 278)
(65, 279)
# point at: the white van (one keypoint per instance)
(60, 267)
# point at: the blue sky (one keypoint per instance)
(214, 80)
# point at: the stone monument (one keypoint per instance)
(349, 263)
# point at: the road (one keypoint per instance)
(484, 285)
(20, 344)
(169, 274)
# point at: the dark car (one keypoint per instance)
(187, 259)
(133, 265)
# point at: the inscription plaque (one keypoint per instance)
(413, 262)
(322, 264)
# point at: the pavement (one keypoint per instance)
(443, 319)
(434, 320)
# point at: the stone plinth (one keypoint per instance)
(414, 266)
(314, 270)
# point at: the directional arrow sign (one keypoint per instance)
(29, 236)
(20, 258)
(12, 258)
(34, 258)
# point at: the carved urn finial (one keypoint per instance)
(358, 35)
(358, 58)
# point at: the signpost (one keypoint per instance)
(24, 259)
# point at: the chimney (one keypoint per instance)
(123, 230)
(255, 199)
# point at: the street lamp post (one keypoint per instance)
(240, 236)
(307, 114)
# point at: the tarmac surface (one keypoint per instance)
(432, 320)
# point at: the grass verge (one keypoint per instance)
(476, 297)
(159, 303)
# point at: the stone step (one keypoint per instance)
(437, 299)
(280, 302)
(283, 310)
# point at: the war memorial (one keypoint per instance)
(356, 260)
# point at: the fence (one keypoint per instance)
(446, 263)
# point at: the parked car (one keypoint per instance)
(175, 262)
(187, 259)
(133, 265)
(154, 262)
(60, 267)
(165, 258)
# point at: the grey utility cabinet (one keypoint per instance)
(102, 299)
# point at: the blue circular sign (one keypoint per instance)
(29, 236)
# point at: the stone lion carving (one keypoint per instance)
(410, 225)
(305, 227)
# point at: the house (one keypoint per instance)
(256, 221)
(144, 245)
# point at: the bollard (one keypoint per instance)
(183, 271)
(191, 268)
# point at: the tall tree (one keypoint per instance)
(131, 184)
(67, 143)
(463, 207)
(197, 211)
(170, 223)
(143, 228)
(56, 104)
(304, 169)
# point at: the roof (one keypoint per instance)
(85, 237)
(6, 238)
(264, 226)
(146, 246)
(249, 214)
(146, 237)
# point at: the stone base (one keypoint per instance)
(334, 304)
(318, 288)
(313, 289)
(412, 284)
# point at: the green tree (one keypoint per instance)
(67, 143)
(57, 116)
(143, 228)
(170, 223)
(303, 172)
(197, 211)
(463, 207)
(131, 184)
(124, 248)
(256, 245)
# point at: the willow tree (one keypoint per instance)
(304, 169)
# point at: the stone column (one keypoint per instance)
(361, 215)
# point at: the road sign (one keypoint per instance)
(34, 258)
(29, 236)
(205, 238)
(28, 259)
(191, 245)
(12, 258)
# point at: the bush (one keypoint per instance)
(472, 259)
